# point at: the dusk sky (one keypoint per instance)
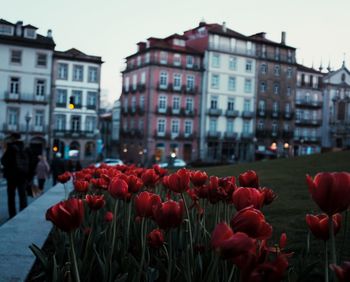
(319, 29)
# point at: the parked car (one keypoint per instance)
(176, 163)
(110, 162)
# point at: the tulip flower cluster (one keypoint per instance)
(126, 223)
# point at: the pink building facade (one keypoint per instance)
(159, 102)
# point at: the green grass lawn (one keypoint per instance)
(287, 178)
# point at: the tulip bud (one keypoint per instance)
(109, 216)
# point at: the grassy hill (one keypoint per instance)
(287, 178)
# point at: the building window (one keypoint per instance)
(127, 83)
(62, 71)
(214, 102)
(90, 124)
(75, 123)
(142, 102)
(163, 57)
(60, 122)
(176, 103)
(261, 106)
(61, 98)
(91, 100)
(190, 82)
(275, 107)
(177, 60)
(215, 63)
(287, 108)
(78, 73)
(188, 127)
(14, 85)
(215, 81)
(289, 91)
(40, 88)
(141, 124)
(189, 61)
(246, 105)
(249, 47)
(261, 124)
(277, 70)
(92, 74)
(39, 119)
(162, 103)
(231, 83)
(125, 104)
(175, 126)
(147, 58)
(263, 87)
(212, 125)
(77, 95)
(232, 63)
(189, 104)
(177, 81)
(263, 68)
(246, 126)
(12, 118)
(231, 104)
(161, 126)
(229, 126)
(6, 29)
(247, 85)
(248, 65)
(16, 56)
(143, 78)
(274, 127)
(134, 82)
(163, 80)
(233, 44)
(289, 72)
(277, 53)
(276, 88)
(41, 60)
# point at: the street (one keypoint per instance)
(3, 199)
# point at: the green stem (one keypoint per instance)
(128, 228)
(326, 275)
(74, 258)
(113, 238)
(345, 235)
(168, 277)
(143, 246)
(89, 237)
(331, 234)
(232, 273)
(189, 225)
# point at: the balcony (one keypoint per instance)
(275, 114)
(141, 87)
(191, 90)
(234, 50)
(91, 107)
(307, 139)
(188, 113)
(69, 133)
(247, 114)
(61, 105)
(311, 122)
(29, 98)
(261, 133)
(340, 128)
(247, 135)
(230, 135)
(140, 110)
(214, 112)
(162, 135)
(163, 87)
(261, 113)
(175, 112)
(22, 128)
(162, 111)
(232, 113)
(288, 115)
(308, 103)
(214, 134)
(288, 134)
(187, 136)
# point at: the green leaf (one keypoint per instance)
(40, 255)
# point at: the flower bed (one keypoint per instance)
(126, 223)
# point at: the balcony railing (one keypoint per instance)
(307, 139)
(261, 113)
(275, 114)
(74, 133)
(214, 134)
(214, 112)
(247, 135)
(308, 103)
(304, 121)
(247, 114)
(163, 64)
(232, 113)
(26, 98)
(230, 135)
(288, 115)
(340, 128)
(234, 50)
(22, 128)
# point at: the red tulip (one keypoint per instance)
(149, 177)
(160, 171)
(95, 202)
(215, 193)
(144, 203)
(100, 183)
(319, 227)
(179, 182)
(81, 186)
(134, 183)
(118, 188)
(252, 222)
(249, 179)
(342, 272)
(330, 191)
(63, 178)
(270, 196)
(169, 214)
(199, 178)
(245, 197)
(228, 244)
(155, 238)
(109, 216)
(67, 215)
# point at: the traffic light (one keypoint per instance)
(55, 146)
(71, 103)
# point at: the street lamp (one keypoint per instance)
(28, 117)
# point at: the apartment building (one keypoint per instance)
(161, 91)
(228, 93)
(25, 79)
(308, 111)
(75, 104)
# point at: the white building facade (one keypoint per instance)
(25, 80)
(76, 80)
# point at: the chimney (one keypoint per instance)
(283, 38)
(142, 46)
(19, 25)
(224, 28)
(202, 22)
(49, 33)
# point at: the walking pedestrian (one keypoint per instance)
(57, 167)
(42, 172)
(16, 169)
